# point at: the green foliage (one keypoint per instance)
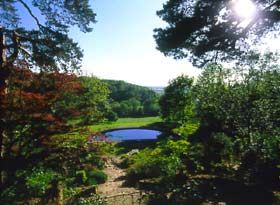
(99, 100)
(212, 97)
(109, 148)
(39, 181)
(232, 127)
(81, 177)
(163, 161)
(186, 129)
(237, 113)
(87, 105)
(94, 101)
(97, 176)
(130, 100)
(112, 116)
(91, 177)
(177, 106)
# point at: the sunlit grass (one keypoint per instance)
(125, 123)
(81, 134)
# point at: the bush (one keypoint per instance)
(112, 116)
(39, 180)
(96, 177)
(165, 160)
(186, 129)
(93, 158)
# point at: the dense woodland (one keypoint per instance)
(128, 100)
(221, 130)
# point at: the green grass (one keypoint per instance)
(125, 123)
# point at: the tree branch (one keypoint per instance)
(14, 55)
(30, 13)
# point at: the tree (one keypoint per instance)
(89, 104)
(213, 98)
(238, 110)
(93, 102)
(27, 131)
(46, 45)
(206, 30)
(177, 103)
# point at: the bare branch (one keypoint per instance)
(25, 51)
(30, 13)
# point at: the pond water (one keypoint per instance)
(132, 134)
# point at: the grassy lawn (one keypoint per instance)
(125, 123)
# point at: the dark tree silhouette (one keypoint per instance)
(205, 30)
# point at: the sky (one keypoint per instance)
(122, 46)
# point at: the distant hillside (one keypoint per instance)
(129, 100)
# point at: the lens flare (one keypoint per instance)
(245, 9)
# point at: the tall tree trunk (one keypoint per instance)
(4, 74)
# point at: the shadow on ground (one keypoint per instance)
(211, 192)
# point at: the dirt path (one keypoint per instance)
(114, 190)
(114, 184)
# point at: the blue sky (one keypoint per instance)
(122, 47)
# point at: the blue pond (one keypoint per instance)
(132, 134)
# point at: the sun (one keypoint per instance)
(245, 9)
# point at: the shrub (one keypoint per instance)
(186, 129)
(96, 177)
(165, 160)
(39, 180)
(112, 116)
(94, 159)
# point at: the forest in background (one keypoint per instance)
(128, 100)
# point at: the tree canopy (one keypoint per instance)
(176, 101)
(205, 30)
(46, 44)
(129, 100)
